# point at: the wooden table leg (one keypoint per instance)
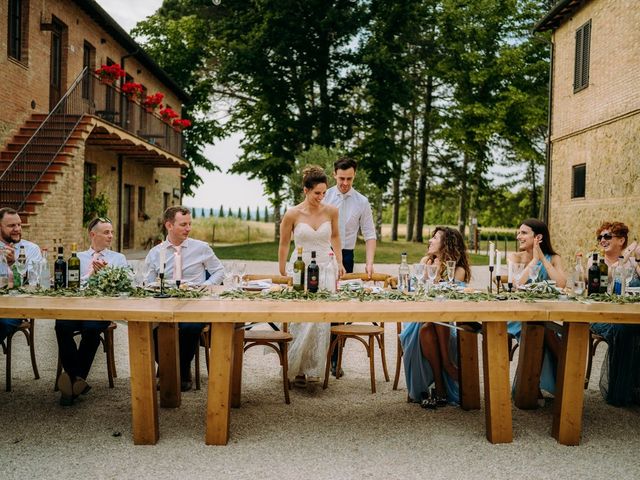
(169, 365)
(469, 370)
(527, 381)
(219, 394)
(497, 392)
(144, 401)
(568, 404)
(236, 378)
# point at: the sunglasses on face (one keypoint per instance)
(95, 221)
(606, 236)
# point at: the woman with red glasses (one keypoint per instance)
(620, 373)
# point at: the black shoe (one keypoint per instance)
(186, 386)
(333, 372)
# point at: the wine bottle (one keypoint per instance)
(298, 272)
(594, 276)
(313, 274)
(45, 271)
(60, 270)
(604, 276)
(73, 269)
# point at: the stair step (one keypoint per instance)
(37, 156)
(54, 167)
(48, 137)
(34, 198)
(41, 117)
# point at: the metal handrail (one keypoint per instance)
(86, 95)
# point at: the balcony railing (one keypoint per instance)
(109, 103)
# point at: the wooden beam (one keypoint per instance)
(531, 351)
(219, 391)
(497, 391)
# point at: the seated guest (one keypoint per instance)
(429, 350)
(197, 265)
(536, 252)
(620, 378)
(77, 359)
(10, 242)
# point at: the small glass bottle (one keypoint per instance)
(404, 284)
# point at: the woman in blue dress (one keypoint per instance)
(430, 350)
(536, 252)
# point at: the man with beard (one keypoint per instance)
(10, 242)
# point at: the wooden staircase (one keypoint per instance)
(46, 162)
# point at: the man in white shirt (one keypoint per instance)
(77, 359)
(10, 242)
(196, 265)
(354, 214)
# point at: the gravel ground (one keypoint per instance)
(341, 432)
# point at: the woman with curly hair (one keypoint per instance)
(430, 350)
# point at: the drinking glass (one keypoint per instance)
(418, 272)
(432, 271)
(240, 269)
(33, 274)
(516, 271)
(451, 270)
(578, 288)
(534, 270)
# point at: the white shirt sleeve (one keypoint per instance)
(367, 225)
(214, 266)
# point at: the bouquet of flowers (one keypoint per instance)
(168, 114)
(151, 102)
(132, 90)
(111, 280)
(180, 124)
(109, 74)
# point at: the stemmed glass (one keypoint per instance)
(432, 271)
(451, 270)
(33, 274)
(516, 273)
(239, 271)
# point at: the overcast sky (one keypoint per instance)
(217, 188)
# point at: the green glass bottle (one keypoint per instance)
(298, 272)
(73, 269)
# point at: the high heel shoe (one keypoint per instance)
(428, 401)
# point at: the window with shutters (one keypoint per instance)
(17, 30)
(583, 47)
(578, 181)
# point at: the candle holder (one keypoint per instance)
(490, 278)
(498, 282)
(161, 294)
(510, 285)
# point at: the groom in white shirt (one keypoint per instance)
(192, 262)
(354, 213)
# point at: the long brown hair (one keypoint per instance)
(452, 248)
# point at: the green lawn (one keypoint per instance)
(387, 252)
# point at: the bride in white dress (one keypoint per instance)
(314, 227)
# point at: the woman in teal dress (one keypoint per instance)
(430, 350)
(535, 251)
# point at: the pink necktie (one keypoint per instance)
(177, 264)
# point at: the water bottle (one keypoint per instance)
(619, 280)
(45, 271)
(330, 274)
(404, 283)
(4, 270)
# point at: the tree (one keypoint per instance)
(266, 214)
(193, 212)
(221, 212)
(257, 214)
(229, 213)
(211, 212)
(248, 213)
(239, 213)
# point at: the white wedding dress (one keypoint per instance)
(308, 350)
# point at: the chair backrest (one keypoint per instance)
(388, 280)
(277, 279)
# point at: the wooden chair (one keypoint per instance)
(594, 341)
(27, 328)
(106, 339)
(274, 338)
(358, 332)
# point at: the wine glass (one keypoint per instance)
(534, 270)
(516, 273)
(432, 271)
(451, 270)
(578, 288)
(240, 269)
(33, 274)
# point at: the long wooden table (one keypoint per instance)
(226, 348)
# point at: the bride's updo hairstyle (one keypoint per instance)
(312, 175)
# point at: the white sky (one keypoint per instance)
(218, 188)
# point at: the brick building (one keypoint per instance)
(594, 164)
(63, 131)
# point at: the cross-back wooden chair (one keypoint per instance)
(275, 338)
(27, 328)
(372, 332)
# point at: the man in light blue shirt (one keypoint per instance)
(77, 359)
(192, 262)
(10, 241)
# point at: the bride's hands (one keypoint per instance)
(341, 270)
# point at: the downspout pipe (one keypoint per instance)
(548, 146)
(119, 203)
